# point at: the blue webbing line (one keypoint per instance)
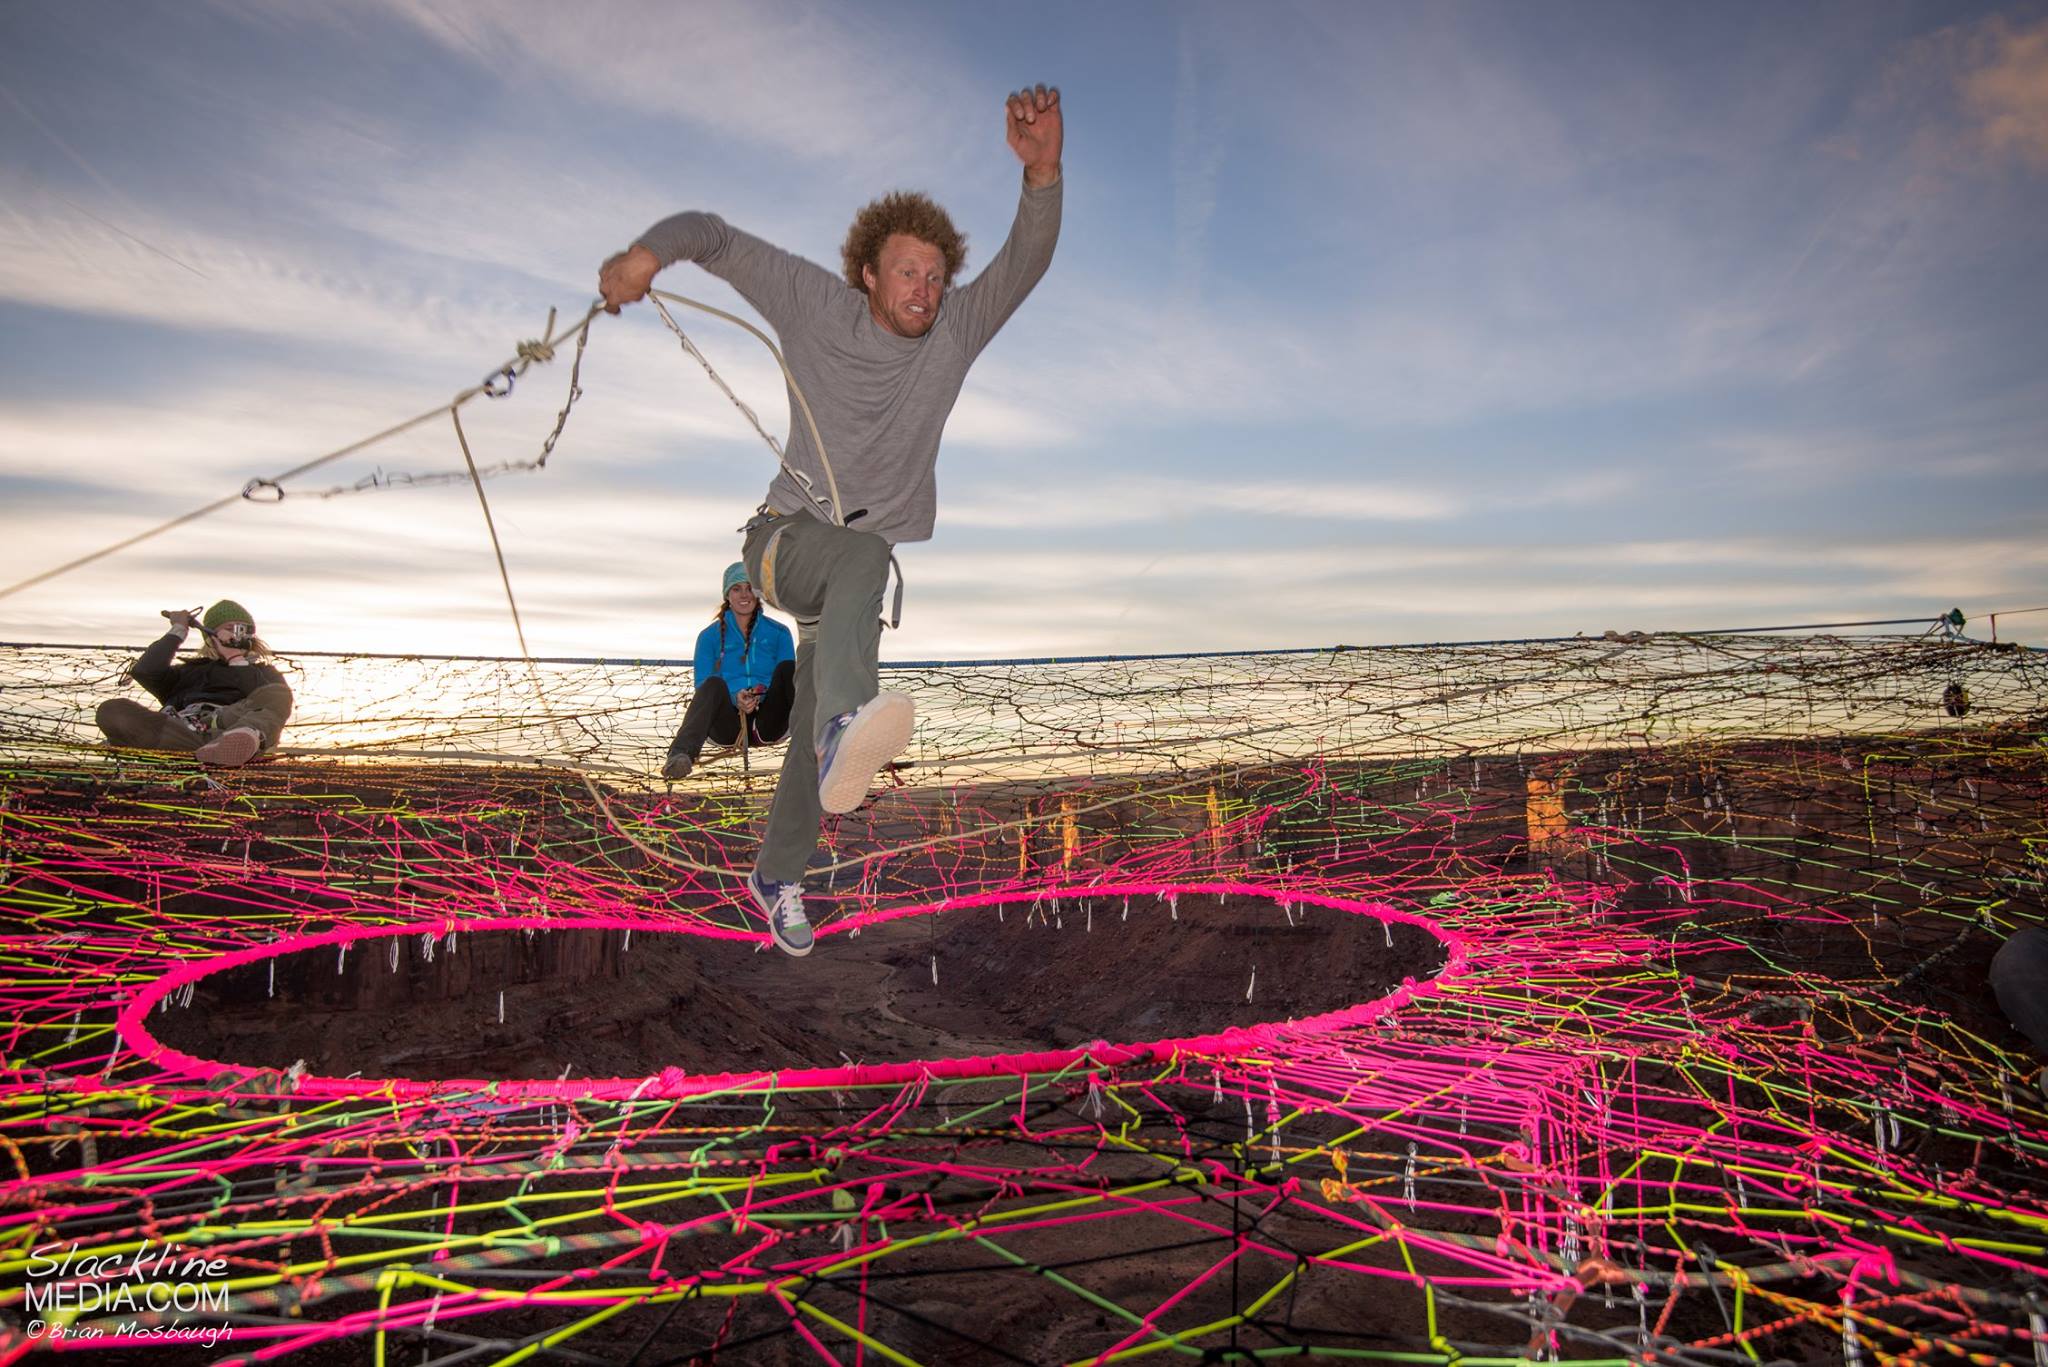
(1581, 639)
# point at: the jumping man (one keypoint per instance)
(880, 353)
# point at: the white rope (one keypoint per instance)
(517, 365)
(796, 392)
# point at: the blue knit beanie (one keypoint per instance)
(735, 573)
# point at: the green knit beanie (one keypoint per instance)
(735, 573)
(226, 610)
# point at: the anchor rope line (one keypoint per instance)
(1275, 652)
(526, 356)
(498, 384)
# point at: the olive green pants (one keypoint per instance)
(125, 722)
(831, 580)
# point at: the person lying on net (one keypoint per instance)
(226, 706)
(745, 667)
(879, 352)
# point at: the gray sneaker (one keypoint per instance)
(783, 905)
(856, 746)
(678, 765)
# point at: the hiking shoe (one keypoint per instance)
(856, 746)
(679, 765)
(231, 749)
(783, 905)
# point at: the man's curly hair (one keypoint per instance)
(903, 211)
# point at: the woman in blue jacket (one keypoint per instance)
(745, 667)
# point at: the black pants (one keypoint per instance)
(712, 713)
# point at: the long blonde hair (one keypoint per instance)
(257, 649)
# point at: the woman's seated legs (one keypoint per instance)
(710, 715)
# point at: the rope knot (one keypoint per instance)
(536, 351)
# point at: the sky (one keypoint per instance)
(1369, 323)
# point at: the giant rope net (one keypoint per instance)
(1607, 1000)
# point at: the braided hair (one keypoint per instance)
(747, 630)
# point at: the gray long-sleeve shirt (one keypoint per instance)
(881, 401)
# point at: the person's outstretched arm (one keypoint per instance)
(782, 286)
(1034, 125)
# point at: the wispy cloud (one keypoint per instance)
(817, 82)
(106, 187)
(1106, 501)
(2009, 90)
